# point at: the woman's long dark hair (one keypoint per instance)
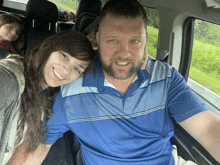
(35, 110)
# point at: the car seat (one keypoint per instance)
(40, 22)
(89, 6)
(87, 15)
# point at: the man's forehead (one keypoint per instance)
(127, 25)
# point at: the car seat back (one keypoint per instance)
(40, 22)
(41, 15)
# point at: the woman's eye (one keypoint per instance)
(77, 70)
(64, 56)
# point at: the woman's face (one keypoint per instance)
(61, 68)
(9, 32)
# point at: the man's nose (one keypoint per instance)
(124, 50)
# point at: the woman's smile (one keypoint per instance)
(57, 74)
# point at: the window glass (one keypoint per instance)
(20, 1)
(152, 30)
(205, 62)
(67, 5)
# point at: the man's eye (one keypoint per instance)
(78, 70)
(135, 41)
(112, 41)
(64, 56)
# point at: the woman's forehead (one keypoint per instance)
(14, 24)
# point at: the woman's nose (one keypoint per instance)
(13, 32)
(67, 69)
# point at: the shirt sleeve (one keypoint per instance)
(8, 88)
(57, 125)
(181, 101)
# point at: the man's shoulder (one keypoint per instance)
(158, 64)
(76, 88)
(159, 70)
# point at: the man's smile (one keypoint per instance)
(122, 62)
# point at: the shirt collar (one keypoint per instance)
(106, 83)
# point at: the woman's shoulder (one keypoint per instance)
(9, 82)
(7, 76)
(8, 85)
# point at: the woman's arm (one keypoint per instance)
(35, 158)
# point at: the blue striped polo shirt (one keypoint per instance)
(124, 129)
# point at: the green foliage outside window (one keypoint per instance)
(152, 41)
(68, 5)
(207, 32)
(205, 63)
(152, 30)
(153, 17)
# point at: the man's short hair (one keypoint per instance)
(123, 8)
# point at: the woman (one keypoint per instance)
(11, 37)
(26, 87)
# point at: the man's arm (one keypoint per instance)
(205, 128)
(35, 158)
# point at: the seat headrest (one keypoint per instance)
(41, 9)
(89, 6)
(86, 22)
(1, 2)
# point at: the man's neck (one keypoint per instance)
(121, 85)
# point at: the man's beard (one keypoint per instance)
(118, 74)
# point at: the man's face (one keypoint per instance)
(122, 43)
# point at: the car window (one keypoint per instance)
(152, 30)
(19, 1)
(67, 5)
(204, 73)
(15, 4)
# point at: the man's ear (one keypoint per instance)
(147, 36)
(145, 59)
(97, 38)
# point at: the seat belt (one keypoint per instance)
(91, 26)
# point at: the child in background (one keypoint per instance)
(10, 33)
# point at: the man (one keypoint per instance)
(121, 114)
